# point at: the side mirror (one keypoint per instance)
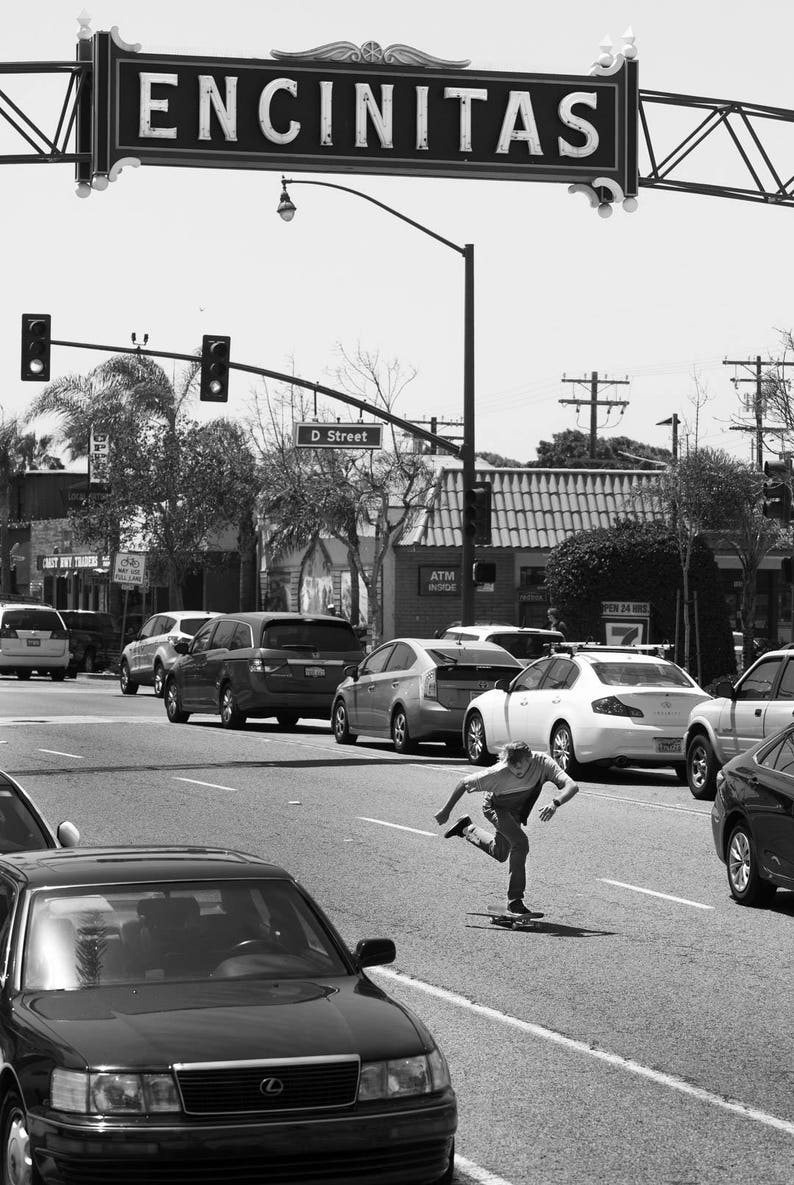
(181, 646)
(67, 835)
(374, 952)
(725, 689)
(502, 685)
(352, 672)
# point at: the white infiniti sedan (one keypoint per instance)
(589, 703)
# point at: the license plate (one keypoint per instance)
(34, 641)
(314, 672)
(667, 745)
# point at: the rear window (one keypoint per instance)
(32, 619)
(469, 656)
(522, 645)
(641, 674)
(310, 635)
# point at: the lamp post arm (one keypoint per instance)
(382, 205)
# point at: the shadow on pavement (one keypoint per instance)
(540, 928)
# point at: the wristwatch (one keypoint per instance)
(556, 802)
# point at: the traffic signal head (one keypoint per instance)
(477, 513)
(484, 572)
(215, 353)
(777, 491)
(35, 362)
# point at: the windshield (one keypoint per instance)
(262, 929)
(641, 674)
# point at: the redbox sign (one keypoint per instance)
(363, 116)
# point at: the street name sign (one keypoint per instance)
(337, 435)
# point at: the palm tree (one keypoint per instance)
(19, 452)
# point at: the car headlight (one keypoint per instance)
(112, 1092)
(720, 780)
(403, 1076)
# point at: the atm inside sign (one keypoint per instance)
(337, 435)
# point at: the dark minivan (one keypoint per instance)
(286, 665)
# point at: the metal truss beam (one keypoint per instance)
(40, 146)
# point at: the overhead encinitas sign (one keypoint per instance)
(397, 111)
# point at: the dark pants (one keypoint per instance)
(509, 842)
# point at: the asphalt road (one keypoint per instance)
(641, 1035)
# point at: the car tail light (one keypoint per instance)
(8, 632)
(59, 635)
(612, 706)
(430, 684)
(259, 665)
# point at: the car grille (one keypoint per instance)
(268, 1087)
(401, 1164)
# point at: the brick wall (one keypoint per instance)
(420, 616)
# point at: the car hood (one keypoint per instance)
(155, 1025)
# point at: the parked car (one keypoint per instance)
(753, 819)
(23, 827)
(33, 638)
(192, 1011)
(523, 642)
(589, 703)
(93, 639)
(416, 689)
(761, 703)
(286, 665)
(151, 654)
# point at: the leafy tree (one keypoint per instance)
(571, 450)
(19, 452)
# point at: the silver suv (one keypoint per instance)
(150, 656)
(761, 703)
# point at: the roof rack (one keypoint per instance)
(655, 648)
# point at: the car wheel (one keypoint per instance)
(173, 707)
(231, 716)
(18, 1167)
(158, 681)
(58, 676)
(89, 661)
(744, 880)
(287, 719)
(701, 768)
(340, 724)
(679, 769)
(23, 675)
(475, 742)
(562, 750)
(126, 681)
(400, 733)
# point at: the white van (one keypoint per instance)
(33, 638)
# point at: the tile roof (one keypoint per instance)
(532, 508)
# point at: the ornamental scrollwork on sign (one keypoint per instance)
(370, 53)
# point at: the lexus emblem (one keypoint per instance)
(271, 1086)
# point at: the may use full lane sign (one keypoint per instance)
(362, 117)
(338, 435)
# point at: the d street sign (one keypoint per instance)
(338, 435)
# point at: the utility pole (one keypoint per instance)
(433, 424)
(756, 366)
(673, 422)
(593, 383)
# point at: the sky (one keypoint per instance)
(660, 296)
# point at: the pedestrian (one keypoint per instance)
(511, 790)
(556, 622)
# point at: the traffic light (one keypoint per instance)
(484, 572)
(35, 364)
(477, 513)
(787, 568)
(214, 369)
(777, 491)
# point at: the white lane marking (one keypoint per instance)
(58, 753)
(603, 1055)
(472, 1170)
(654, 806)
(398, 826)
(209, 785)
(652, 893)
(145, 720)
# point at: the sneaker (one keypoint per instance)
(458, 828)
(519, 909)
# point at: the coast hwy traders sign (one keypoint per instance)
(338, 435)
(342, 108)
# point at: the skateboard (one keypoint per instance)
(512, 921)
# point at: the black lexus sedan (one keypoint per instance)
(190, 1014)
(753, 819)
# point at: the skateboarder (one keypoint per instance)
(511, 790)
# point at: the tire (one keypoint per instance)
(287, 719)
(158, 680)
(679, 769)
(89, 661)
(231, 716)
(475, 741)
(23, 675)
(17, 1162)
(58, 676)
(701, 768)
(340, 725)
(126, 682)
(744, 879)
(562, 750)
(173, 706)
(400, 733)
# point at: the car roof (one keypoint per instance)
(134, 865)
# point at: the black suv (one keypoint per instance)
(93, 640)
(238, 665)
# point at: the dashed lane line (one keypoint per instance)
(397, 826)
(654, 806)
(653, 893)
(209, 785)
(6, 721)
(58, 753)
(628, 1065)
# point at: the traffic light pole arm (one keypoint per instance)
(341, 396)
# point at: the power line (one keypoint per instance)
(594, 382)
